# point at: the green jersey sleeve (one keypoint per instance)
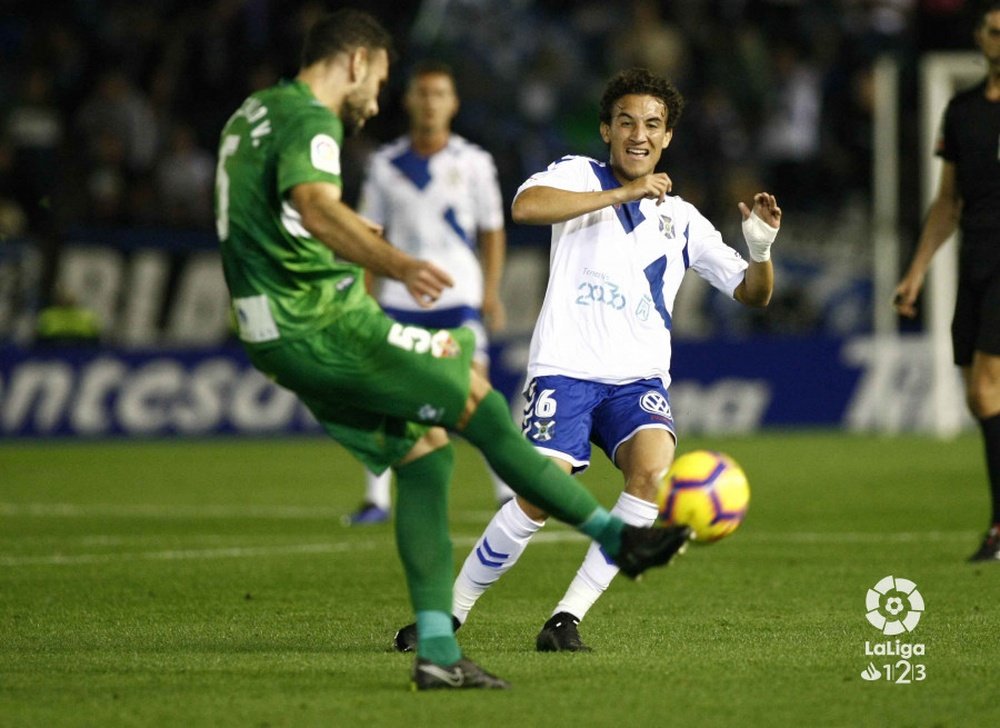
(309, 150)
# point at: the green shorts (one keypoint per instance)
(375, 385)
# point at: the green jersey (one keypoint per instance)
(284, 282)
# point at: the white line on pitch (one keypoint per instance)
(151, 510)
(857, 537)
(240, 552)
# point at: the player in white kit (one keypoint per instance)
(438, 197)
(599, 363)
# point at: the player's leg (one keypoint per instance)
(486, 424)
(425, 549)
(378, 500)
(983, 395)
(557, 422)
(635, 429)
(378, 489)
(501, 491)
(499, 547)
(424, 546)
(563, 430)
(975, 334)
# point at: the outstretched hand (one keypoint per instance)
(425, 282)
(765, 206)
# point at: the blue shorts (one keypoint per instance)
(564, 415)
(447, 318)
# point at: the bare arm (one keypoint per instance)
(549, 205)
(757, 285)
(350, 236)
(758, 281)
(493, 254)
(942, 221)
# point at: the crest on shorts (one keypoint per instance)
(430, 413)
(655, 403)
(543, 430)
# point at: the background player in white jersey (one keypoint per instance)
(599, 363)
(438, 197)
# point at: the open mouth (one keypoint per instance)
(636, 152)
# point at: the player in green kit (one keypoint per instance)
(294, 254)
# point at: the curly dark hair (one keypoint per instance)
(641, 81)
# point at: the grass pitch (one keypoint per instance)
(211, 583)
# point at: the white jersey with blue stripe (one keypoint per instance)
(434, 208)
(613, 277)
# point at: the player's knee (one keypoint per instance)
(983, 399)
(644, 482)
(533, 512)
(479, 387)
(434, 439)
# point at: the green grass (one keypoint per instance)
(210, 583)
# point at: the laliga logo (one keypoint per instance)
(894, 605)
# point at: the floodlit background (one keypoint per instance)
(111, 112)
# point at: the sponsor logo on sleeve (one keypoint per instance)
(325, 153)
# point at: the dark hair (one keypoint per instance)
(344, 30)
(982, 9)
(429, 67)
(641, 81)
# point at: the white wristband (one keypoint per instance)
(759, 236)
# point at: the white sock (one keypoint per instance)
(500, 488)
(597, 571)
(377, 488)
(500, 546)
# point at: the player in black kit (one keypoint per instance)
(969, 196)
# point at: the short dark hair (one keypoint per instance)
(344, 30)
(641, 81)
(982, 9)
(431, 66)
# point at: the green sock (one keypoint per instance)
(515, 460)
(425, 548)
(436, 638)
(605, 529)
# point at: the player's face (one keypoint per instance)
(361, 103)
(431, 102)
(637, 135)
(988, 38)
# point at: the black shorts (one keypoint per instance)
(976, 325)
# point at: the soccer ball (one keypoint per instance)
(707, 491)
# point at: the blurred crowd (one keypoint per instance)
(111, 110)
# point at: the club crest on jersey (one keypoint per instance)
(543, 430)
(656, 404)
(325, 153)
(667, 227)
(643, 309)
